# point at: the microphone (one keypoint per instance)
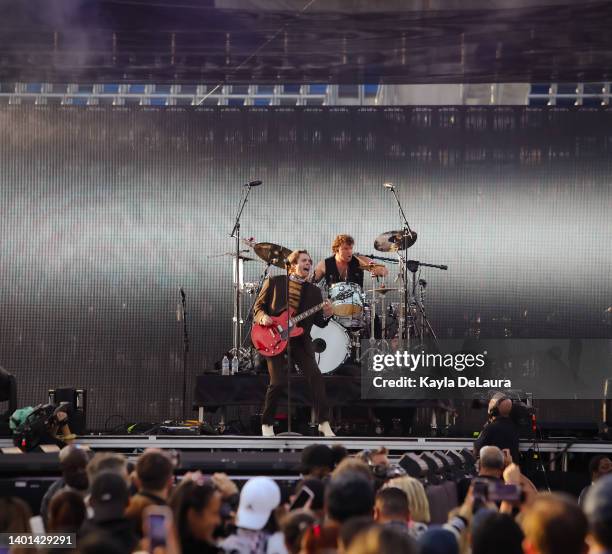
(182, 293)
(253, 184)
(389, 186)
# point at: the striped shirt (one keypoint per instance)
(295, 293)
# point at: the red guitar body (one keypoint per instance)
(272, 340)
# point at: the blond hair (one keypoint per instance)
(417, 499)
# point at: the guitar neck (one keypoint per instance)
(307, 313)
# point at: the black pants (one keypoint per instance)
(303, 355)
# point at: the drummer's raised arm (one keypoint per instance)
(319, 271)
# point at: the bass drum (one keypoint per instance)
(332, 346)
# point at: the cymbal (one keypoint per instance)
(272, 253)
(394, 240)
(384, 290)
(365, 264)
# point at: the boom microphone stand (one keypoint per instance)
(237, 319)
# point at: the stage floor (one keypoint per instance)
(397, 445)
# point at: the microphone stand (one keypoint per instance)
(185, 350)
(289, 432)
(237, 267)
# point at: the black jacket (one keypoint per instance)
(503, 433)
(272, 300)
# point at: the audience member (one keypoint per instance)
(382, 540)
(73, 461)
(15, 515)
(598, 510)
(320, 540)
(258, 499)
(599, 466)
(391, 508)
(491, 467)
(317, 504)
(495, 532)
(350, 529)
(353, 465)
(293, 526)
(339, 452)
(154, 480)
(109, 499)
(99, 542)
(317, 461)
(348, 495)
(380, 456)
(67, 512)
(554, 524)
(438, 541)
(109, 462)
(418, 504)
(195, 505)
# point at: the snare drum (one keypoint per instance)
(347, 303)
(332, 346)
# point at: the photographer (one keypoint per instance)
(44, 424)
(500, 430)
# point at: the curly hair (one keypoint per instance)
(340, 240)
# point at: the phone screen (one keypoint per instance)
(500, 492)
(302, 498)
(157, 530)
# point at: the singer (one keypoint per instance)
(343, 266)
(272, 301)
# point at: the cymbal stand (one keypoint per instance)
(419, 304)
(238, 267)
(374, 346)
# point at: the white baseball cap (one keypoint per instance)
(258, 498)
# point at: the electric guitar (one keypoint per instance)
(271, 340)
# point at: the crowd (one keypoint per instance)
(343, 504)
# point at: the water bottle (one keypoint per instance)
(225, 366)
(235, 365)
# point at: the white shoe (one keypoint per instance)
(326, 429)
(267, 430)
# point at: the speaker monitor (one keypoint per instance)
(414, 466)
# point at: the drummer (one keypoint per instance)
(344, 266)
